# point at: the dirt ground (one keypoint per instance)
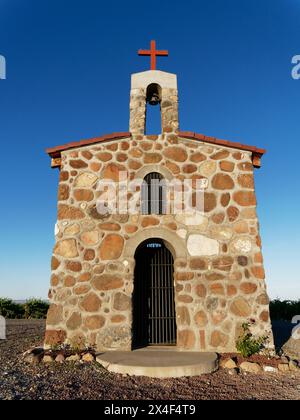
(20, 381)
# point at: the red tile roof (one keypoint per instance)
(219, 142)
(54, 152)
(256, 152)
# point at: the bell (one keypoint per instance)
(154, 99)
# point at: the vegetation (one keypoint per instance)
(247, 344)
(284, 309)
(31, 309)
(10, 309)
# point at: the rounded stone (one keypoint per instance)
(116, 319)
(208, 168)
(263, 299)
(175, 169)
(69, 281)
(89, 255)
(183, 276)
(111, 247)
(78, 163)
(189, 168)
(152, 158)
(210, 202)
(218, 218)
(223, 263)
(63, 176)
(131, 228)
(134, 164)
(242, 260)
(85, 180)
(95, 166)
(232, 213)
(240, 307)
(201, 290)
(54, 263)
(121, 302)
(110, 226)
(82, 289)
(231, 290)
(55, 337)
(222, 154)
(241, 227)
(213, 276)
(225, 199)
(245, 198)
(248, 288)
(216, 289)
(198, 264)
(198, 157)
(245, 166)
(54, 280)
(178, 154)
(63, 192)
(226, 166)
(108, 282)
(258, 272)
(73, 266)
(222, 182)
(83, 195)
(94, 322)
(112, 171)
(186, 339)
(104, 156)
(66, 248)
(183, 315)
(201, 319)
(90, 238)
(75, 321)
(91, 303)
(241, 245)
(149, 221)
(72, 229)
(219, 339)
(55, 314)
(246, 181)
(68, 212)
(185, 299)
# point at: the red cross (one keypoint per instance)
(153, 53)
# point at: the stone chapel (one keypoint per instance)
(122, 281)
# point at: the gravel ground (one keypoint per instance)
(19, 381)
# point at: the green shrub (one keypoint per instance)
(10, 309)
(35, 309)
(247, 344)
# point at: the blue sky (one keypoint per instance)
(68, 78)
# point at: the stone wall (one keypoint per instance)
(218, 265)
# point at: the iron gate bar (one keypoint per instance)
(154, 319)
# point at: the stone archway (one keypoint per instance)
(153, 300)
(172, 241)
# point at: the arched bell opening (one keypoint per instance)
(153, 109)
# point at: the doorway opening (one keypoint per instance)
(154, 317)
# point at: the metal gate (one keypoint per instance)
(154, 318)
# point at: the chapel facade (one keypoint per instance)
(124, 280)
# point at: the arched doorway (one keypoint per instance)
(154, 318)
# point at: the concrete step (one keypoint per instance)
(159, 363)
